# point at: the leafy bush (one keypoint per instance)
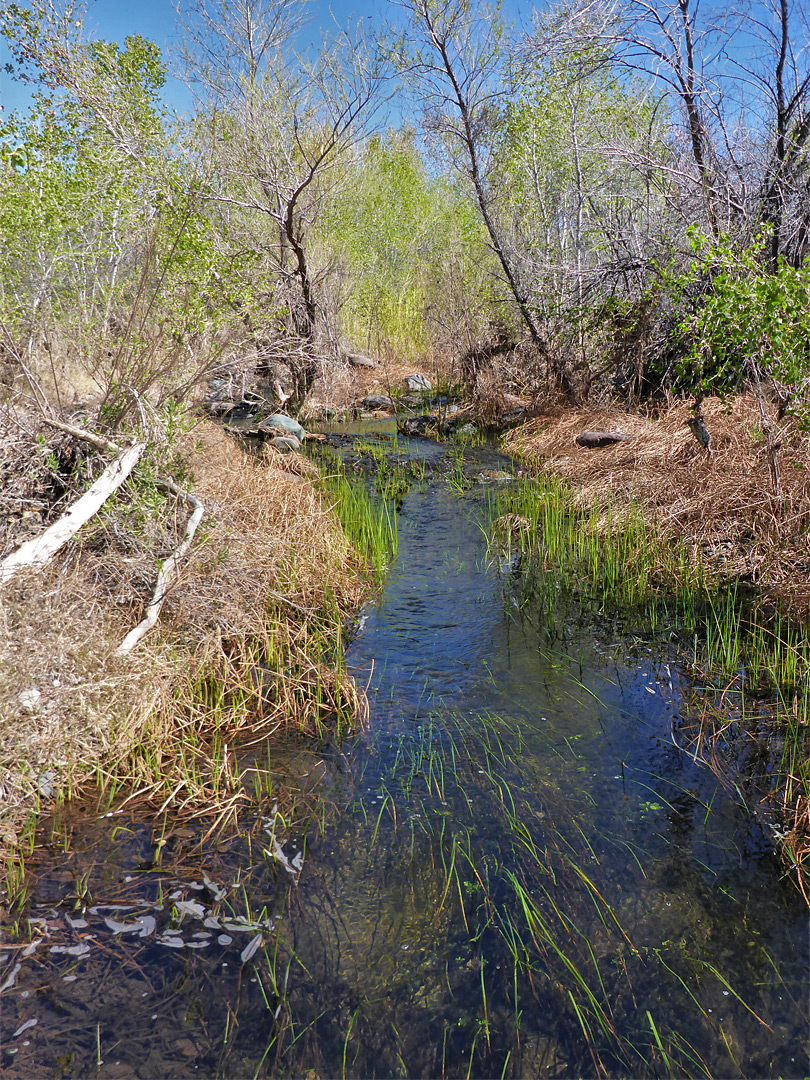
(742, 319)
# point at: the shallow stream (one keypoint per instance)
(514, 869)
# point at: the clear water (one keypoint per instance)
(513, 870)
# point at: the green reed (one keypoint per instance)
(613, 562)
(609, 547)
(610, 557)
(457, 478)
(369, 520)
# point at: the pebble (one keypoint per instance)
(29, 699)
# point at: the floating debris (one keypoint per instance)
(172, 942)
(252, 947)
(72, 950)
(24, 1027)
(277, 852)
(217, 891)
(191, 907)
(144, 926)
(10, 979)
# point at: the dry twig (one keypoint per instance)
(36, 553)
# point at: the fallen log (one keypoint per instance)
(168, 572)
(595, 440)
(36, 553)
(84, 435)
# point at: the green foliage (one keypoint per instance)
(740, 317)
(561, 189)
(79, 195)
(395, 229)
(105, 246)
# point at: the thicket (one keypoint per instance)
(617, 197)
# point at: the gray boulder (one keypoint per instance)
(282, 425)
(356, 360)
(419, 426)
(595, 440)
(285, 443)
(418, 382)
(377, 401)
(219, 408)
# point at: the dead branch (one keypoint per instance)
(168, 572)
(38, 552)
(84, 435)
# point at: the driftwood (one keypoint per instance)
(38, 552)
(595, 440)
(84, 435)
(168, 573)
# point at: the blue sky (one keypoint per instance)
(155, 19)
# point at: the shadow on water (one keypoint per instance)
(514, 870)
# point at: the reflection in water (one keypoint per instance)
(514, 871)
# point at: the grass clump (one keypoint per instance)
(367, 515)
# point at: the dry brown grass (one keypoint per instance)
(268, 576)
(719, 505)
(267, 528)
(57, 638)
(342, 386)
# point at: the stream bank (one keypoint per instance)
(268, 584)
(741, 522)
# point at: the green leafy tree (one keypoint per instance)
(456, 54)
(105, 252)
(394, 230)
(582, 163)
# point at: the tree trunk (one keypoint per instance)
(468, 138)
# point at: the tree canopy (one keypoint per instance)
(610, 187)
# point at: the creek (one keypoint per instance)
(513, 869)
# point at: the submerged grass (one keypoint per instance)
(533, 892)
(749, 664)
